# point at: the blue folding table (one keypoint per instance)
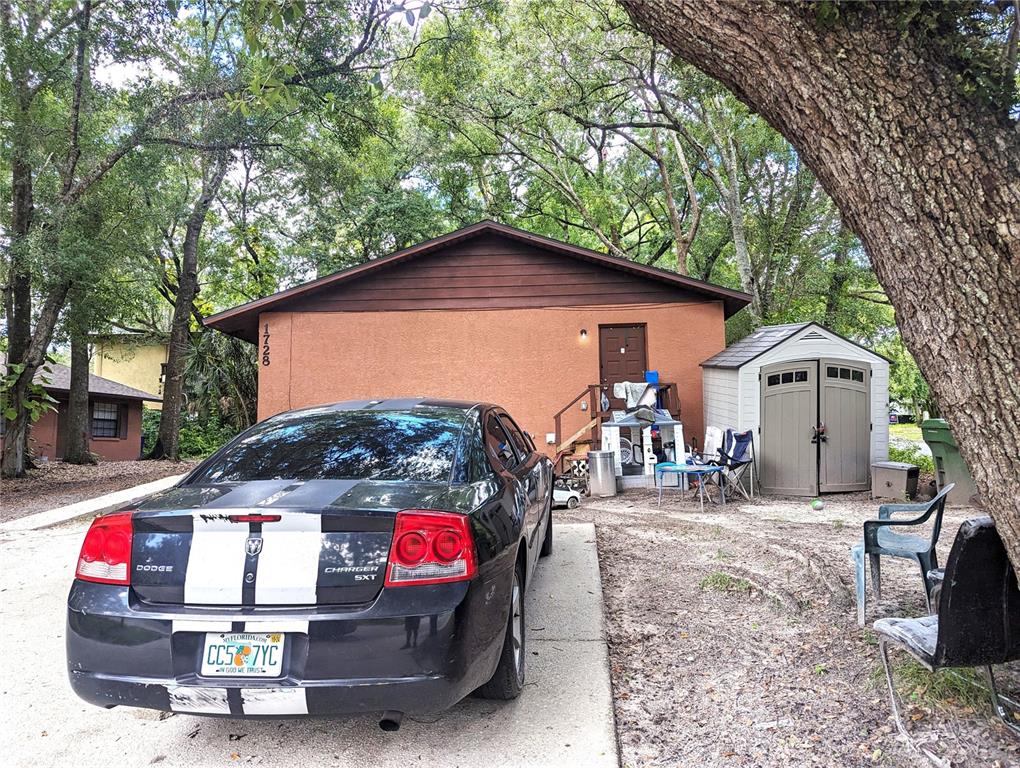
(700, 471)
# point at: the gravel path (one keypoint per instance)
(733, 640)
(55, 483)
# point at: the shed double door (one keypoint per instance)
(815, 427)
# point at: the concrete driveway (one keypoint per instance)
(564, 717)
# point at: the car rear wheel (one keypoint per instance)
(508, 679)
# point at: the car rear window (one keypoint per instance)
(417, 445)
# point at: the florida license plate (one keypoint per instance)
(243, 654)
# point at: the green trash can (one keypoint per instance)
(949, 464)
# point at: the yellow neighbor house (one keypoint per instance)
(132, 359)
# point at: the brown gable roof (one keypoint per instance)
(242, 321)
(59, 380)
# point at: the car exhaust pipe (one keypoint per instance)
(390, 721)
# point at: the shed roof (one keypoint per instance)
(242, 321)
(58, 379)
(752, 345)
(760, 341)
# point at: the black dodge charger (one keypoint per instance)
(358, 557)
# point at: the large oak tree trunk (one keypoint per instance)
(19, 305)
(926, 175)
(168, 439)
(16, 437)
(76, 451)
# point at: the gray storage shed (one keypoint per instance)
(817, 403)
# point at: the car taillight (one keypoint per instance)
(106, 552)
(430, 548)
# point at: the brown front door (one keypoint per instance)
(623, 356)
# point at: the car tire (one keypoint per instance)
(573, 503)
(508, 680)
(547, 543)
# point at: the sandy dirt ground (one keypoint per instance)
(734, 641)
(55, 484)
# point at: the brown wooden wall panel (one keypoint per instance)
(491, 273)
(372, 305)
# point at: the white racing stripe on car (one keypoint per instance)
(216, 563)
(295, 626)
(188, 698)
(289, 562)
(274, 701)
(188, 625)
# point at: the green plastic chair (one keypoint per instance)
(880, 538)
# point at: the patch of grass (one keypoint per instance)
(724, 582)
(948, 688)
(906, 432)
(722, 554)
(838, 525)
(912, 455)
(821, 669)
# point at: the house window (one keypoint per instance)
(773, 379)
(857, 375)
(105, 420)
(832, 372)
(800, 376)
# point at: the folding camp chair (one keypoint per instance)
(713, 442)
(736, 457)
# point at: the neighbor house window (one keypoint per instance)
(105, 420)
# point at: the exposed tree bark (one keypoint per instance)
(76, 450)
(19, 307)
(16, 438)
(19, 324)
(733, 202)
(710, 260)
(927, 175)
(168, 439)
(839, 277)
(675, 222)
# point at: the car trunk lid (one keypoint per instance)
(269, 542)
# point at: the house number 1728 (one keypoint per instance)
(265, 345)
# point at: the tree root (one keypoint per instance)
(758, 581)
(840, 593)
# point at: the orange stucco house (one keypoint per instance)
(488, 313)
